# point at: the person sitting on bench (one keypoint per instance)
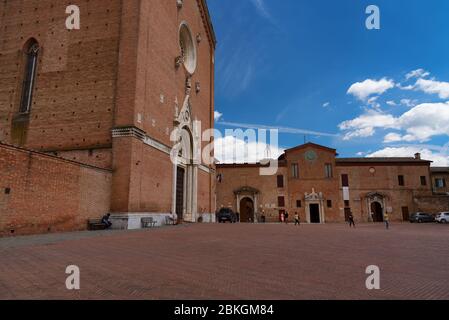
(173, 218)
(106, 222)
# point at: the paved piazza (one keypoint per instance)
(239, 261)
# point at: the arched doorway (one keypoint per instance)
(376, 204)
(377, 212)
(246, 210)
(184, 157)
(247, 197)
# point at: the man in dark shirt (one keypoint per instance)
(106, 222)
(351, 220)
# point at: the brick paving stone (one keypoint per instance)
(217, 261)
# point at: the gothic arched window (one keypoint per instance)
(31, 58)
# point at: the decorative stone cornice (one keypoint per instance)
(207, 22)
(246, 190)
(128, 132)
(314, 196)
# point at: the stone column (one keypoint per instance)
(194, 209)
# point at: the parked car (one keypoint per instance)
(225, 215)
(421, 217)
(442, 217)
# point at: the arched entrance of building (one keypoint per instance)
(377, 212)
(246, 200)
(185, 163)
(246, 210)
(376, 204)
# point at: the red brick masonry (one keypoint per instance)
(41, 193)
(212, 261)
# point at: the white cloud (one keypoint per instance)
(433, 87)
(327, 104)
(425, 121)
(392, 103)
(230, 149)
(373, 102)
(409, 87)
(359, 133)
(392, 137)
(363, 90)
(217, 115)
(396, 137)
(438, 158)
(364, 125)
(419, 73)
(409, 102)
(405, 102)
(420, 123)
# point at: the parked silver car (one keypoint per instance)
(421, 217)
(442, 217)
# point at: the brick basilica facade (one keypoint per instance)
(88, 117)
(313, 182)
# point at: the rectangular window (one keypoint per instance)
(423, 181)
(295, 171)
(347, 204)
(298, 204)
(281, 202)
(29, 77)
(440, 183)
(401, 180)
(280, 181)
(345, 180)
(329, 203)
(328, 170)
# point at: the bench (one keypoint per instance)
(148, 223)
(95, 224)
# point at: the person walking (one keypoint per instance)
(387, 220)
(351, 220)
(297, 219)
(286, 217)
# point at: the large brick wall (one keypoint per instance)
(150, 91)
(74, 94)
(234, 177)
(41, 193)
(432, 204)
(443, 174)
(384, 180)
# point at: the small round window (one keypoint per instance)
(188, 49)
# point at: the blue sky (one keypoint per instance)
(312, 65)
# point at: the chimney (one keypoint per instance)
(418, 156)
